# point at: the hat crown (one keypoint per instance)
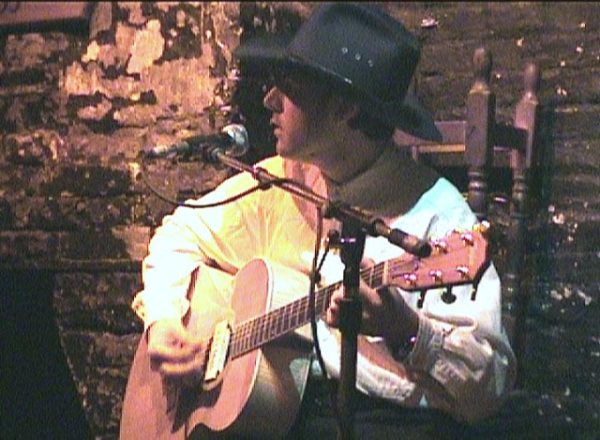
(357, 46)
(361, 46)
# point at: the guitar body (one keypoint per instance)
(260, 391)
(262, 383)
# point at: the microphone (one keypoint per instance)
(232, 140)
(410, 243)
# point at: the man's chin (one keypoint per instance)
(294, 153)
(282, 150)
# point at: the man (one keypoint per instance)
(340, 90)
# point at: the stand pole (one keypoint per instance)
(352, 242)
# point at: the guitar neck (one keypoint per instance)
(459, 258)
(256, 332)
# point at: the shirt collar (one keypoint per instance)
(376, 188)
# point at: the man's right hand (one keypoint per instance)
(177, 357)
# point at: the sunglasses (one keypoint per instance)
(297, 87)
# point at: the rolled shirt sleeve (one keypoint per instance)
(461, 362)
(216, 238)
(469, 358)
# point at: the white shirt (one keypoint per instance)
(461, 363)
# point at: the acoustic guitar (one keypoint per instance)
(258, 352)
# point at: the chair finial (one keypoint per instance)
(482, 63)
(531, 79)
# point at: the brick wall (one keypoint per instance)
(76, 107)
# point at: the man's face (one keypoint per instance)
(300, 118)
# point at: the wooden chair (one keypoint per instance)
(482, 155)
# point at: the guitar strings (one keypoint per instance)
(256, 331)
(259, 330)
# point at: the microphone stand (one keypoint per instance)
(372, 225)
(355, 225)
(352, 246)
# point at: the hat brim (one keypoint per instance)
(264, 54)
(410, 116)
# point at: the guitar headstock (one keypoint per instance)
(458, 258)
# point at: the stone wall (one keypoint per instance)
(76, 108)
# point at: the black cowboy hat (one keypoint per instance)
(358, 48)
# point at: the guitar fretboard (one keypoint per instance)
(459, 258)
(252, 334)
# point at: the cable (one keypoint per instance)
(315, 275)
(261, 186)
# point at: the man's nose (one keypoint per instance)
(272, 100)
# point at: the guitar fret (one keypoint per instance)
(283, 319)
(291, 321)
(374, 275)
(236, 341)
(270, 328)
(255, 329)
(378, 272)
(234, 346)
(286, 317)
(250, 335)
(293, 316)
(260, 330)
(260, 334)
(247, 334)
(278, 321)
(242, 343)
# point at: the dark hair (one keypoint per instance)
(371, 127)
(364, 121)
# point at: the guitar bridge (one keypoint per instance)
(217, 355)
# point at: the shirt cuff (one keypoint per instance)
(151, 306)
(426, 347)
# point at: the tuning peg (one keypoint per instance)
(421, 299)
(436, 274)
(410, 278)
(467, 238)
(473, 292)
(482, 227)
(463, 271)
(448, 297)
(441, 246)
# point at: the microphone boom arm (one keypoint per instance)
(371, 225)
